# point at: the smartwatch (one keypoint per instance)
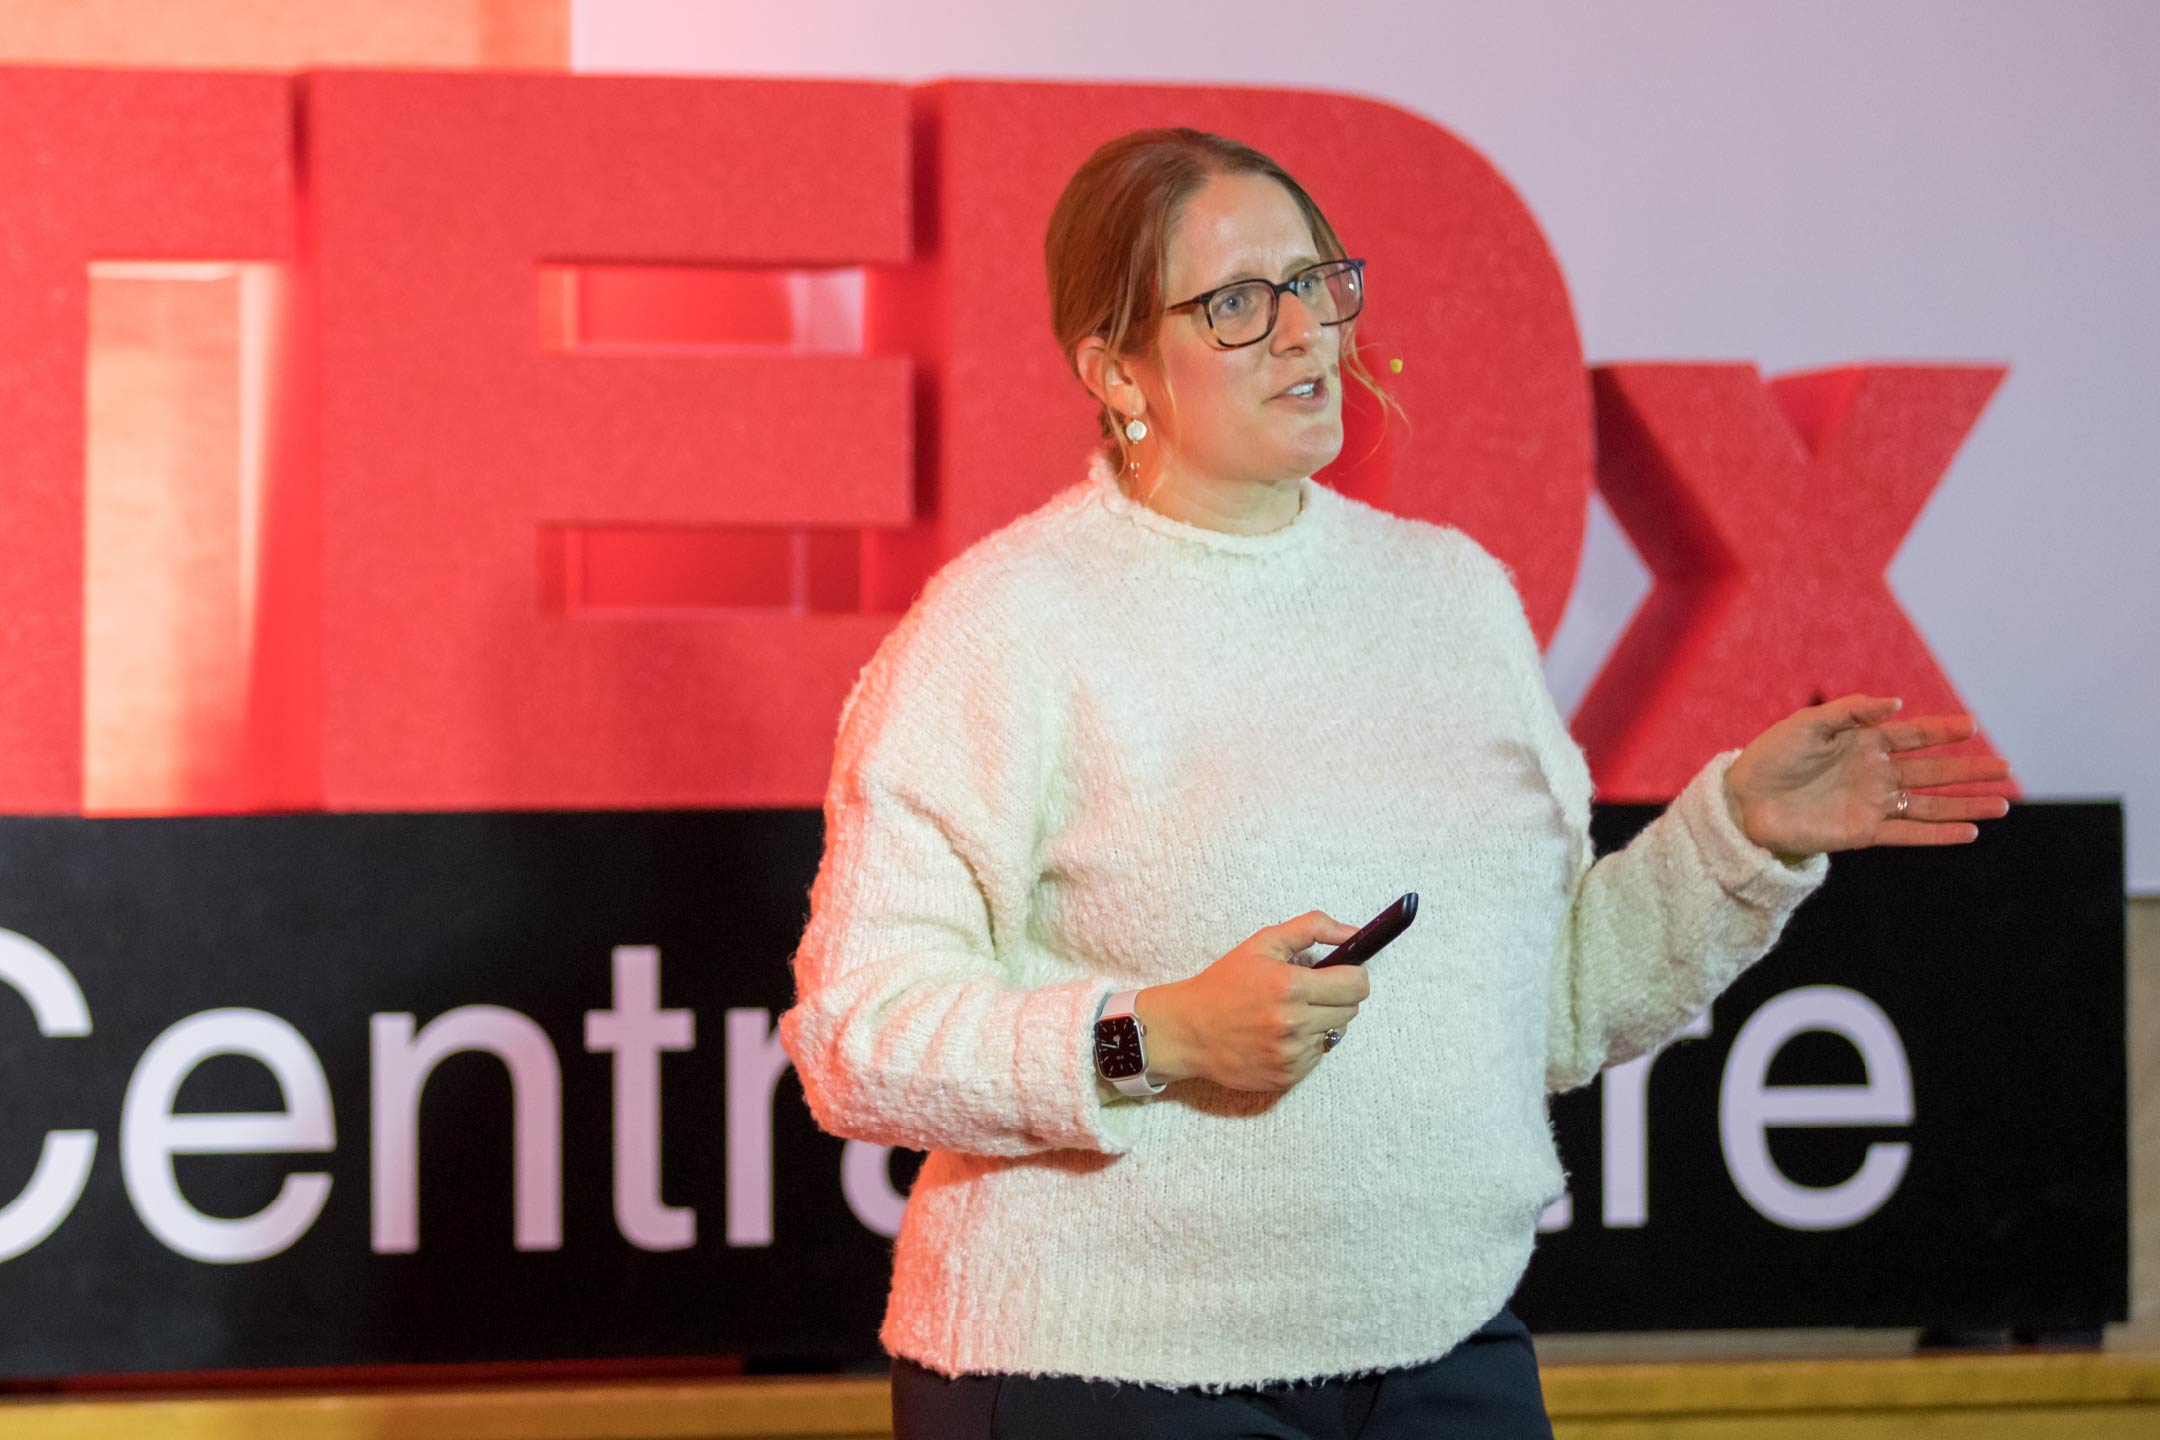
(1121, 1047)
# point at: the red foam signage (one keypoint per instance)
(535, 545)
(456, 451)
(97, 165)
(1768, 514)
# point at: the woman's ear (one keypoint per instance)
(1108, 378)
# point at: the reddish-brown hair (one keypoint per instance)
(1109, 238)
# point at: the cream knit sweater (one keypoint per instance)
(1102, 749)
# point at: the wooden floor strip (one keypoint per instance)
(2098, 1396)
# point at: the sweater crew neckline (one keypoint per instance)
(1313, 498)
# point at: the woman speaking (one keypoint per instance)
(1119, 771)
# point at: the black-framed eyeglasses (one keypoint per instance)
(1243, 312)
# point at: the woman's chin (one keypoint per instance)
(1291, 457)
(1316, 451)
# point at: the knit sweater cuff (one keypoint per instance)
(1746, 871)
(1055, 1052)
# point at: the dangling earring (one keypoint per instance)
(1136, 430)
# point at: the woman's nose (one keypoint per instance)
(1294, 321)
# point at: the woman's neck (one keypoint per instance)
(1236, 507)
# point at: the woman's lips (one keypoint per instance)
(1315, 401)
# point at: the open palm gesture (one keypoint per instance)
(1836, 777)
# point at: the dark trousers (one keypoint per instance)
(1486, 1388)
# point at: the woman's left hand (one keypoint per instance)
(1832, 777)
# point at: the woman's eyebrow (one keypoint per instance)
(1248, 270)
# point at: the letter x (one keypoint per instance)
(1768, 514)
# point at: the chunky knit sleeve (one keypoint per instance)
(911, 1026)
(1656, 930)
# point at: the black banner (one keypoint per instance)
(327, 1090)
(1985, 982)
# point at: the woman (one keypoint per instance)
(1195, 693)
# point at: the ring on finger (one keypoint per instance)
(1330, 1039)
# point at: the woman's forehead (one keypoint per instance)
(1236, 227)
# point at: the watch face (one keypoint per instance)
(1117, 1047)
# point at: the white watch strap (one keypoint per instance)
(1141, 1085)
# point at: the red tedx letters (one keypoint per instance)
(97, 165)
(459, 476)
(1767, 514)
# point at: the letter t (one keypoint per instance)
(637, 1030)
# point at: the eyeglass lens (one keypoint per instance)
(1243, 313)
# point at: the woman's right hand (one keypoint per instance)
(1253, 1020)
